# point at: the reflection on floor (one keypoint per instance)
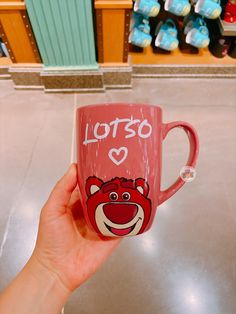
(186, 262)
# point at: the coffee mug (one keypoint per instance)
(178, 7)
(167, 35)
(119, 158)
(198, 38)
(208, 8)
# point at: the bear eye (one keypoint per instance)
(126, 196)
(113, 196)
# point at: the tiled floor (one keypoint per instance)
(187, 262)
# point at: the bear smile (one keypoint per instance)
(123, 231)
(120, 212)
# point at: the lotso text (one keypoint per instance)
(118, 207)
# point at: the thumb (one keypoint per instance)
(61, 193)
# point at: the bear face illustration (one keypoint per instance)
(118, 207)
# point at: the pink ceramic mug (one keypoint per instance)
(119, 154)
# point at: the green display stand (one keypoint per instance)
(64, 32)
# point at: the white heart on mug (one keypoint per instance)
(118, 155)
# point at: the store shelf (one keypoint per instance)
(5, 61)
(12, 5)
(227, 29)
(112, 29)
(16, 33)
(4, 65)
(113, 4)
(178, 57)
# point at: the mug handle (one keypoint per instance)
(193, 154)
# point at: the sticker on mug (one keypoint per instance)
(187, 173)
(119, 207)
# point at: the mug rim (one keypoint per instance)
(120, 104)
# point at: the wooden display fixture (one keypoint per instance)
(16, 32)
(112, 25)
(178, 57)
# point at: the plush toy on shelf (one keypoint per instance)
(230, 12)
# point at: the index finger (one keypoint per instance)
(61, 193)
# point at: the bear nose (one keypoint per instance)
(120, 213)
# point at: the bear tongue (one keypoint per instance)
(120, 213)
(121, 232)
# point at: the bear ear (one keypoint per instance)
(93, 184)
(142, 186)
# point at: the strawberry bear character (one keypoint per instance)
(119, 207)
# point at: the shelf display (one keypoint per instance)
(168, 36)
(169, 30)
(105, 35)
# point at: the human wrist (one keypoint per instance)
(34, 290)
(47, 279)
